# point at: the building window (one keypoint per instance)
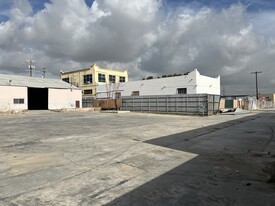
(112, 78)
(101, 78)
(18, 101)
(66, 80)
(88, 79)
(121, 79)
(135, 93)
(88, 91)
(182, 90)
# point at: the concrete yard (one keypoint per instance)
(90, 158)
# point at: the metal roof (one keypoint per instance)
(36, 82)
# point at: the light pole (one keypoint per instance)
(256, 75)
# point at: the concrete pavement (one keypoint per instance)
(49, 158)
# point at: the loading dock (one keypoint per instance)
(33, 93)
(38, 98)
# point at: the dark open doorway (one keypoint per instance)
(37, 98)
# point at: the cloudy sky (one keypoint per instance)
(231, 38)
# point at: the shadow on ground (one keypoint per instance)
(229, 168)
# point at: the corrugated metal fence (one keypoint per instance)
(198, 104)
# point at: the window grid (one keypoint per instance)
(101, 78)
(121, 79)
(88, 79)
(112, 78)
(18, 101)
(182, 90)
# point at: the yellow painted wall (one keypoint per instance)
(77, 79)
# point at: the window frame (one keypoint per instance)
(18, 101)
(135, 93)
(101, 77)
(122, 79)
(67, 79)
(87, 91)
(112, 78)
(87, 78)
(182, 90)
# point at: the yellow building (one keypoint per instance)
(87, 79)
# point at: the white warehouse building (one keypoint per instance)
(32, 93)
(192, 83)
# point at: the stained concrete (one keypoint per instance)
(50, 158)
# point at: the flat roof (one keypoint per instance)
(36, 82)
(79, 70)
(93, 65)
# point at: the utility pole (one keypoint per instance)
(44, 73)
(31, 66)
(256, 75)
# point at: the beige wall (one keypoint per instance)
(8, 93)
(64, 98)
(76, 77)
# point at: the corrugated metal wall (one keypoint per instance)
(196, 104)
(213, 102)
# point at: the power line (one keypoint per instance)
(256, 75)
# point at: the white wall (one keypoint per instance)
(208, 85)
(8, 93)
(194, 82)
(64, 98)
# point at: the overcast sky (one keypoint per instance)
(147, 37)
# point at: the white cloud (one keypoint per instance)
(140, 11)
(20, 10)
(140, 36)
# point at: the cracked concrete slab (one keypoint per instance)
(49, 158)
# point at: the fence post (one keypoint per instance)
(176, 101)
(207, 102)
(198, 104)
(157, 104)
(149, 104)
(125, 104)
(186, 103)
(141, 104)
(167, 104)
